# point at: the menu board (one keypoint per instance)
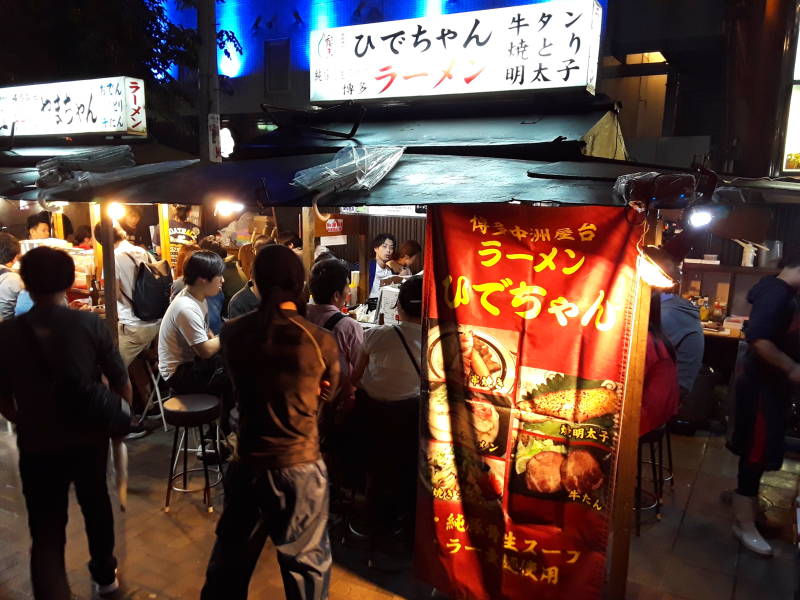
(528, 322)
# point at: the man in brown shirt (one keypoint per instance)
(282, 367)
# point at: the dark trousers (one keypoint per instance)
(288, 505)
(393, 434)
(207, 377)
(749, 477)
(45, 483)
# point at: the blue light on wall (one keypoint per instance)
(323, 15)
(229, 17)
(432, 8)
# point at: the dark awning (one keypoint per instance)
(416, 179)
(531, 137)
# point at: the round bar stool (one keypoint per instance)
(186, 412)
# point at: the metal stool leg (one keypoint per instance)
(638, 508)
(656, 487)
(671, 476)
(172, 460)
(186, 459)
(207, 488)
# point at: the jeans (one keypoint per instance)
(45, 484)
(289, 505)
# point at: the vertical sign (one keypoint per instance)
(528, 322)
(552, 44)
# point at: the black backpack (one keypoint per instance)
(151, 290)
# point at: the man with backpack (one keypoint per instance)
(135, 333)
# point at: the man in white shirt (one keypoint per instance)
(135, 335)
(185, 334)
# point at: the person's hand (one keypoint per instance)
(794, 374)
(79, 305)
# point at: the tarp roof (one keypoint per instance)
(529, 136)
(416, 179)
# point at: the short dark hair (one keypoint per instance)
(328, 277)
(46, 270)
(790, 260)
(119, 233)
(284, 238)
(409, 248)
(9, 247)
(40, 217)
(381, 238)
(261, 241)
(211, 244)
(182, 212)
(81, 233)
(202, 265)
(410, 297)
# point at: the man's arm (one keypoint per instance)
(772, 355)
(208, 348)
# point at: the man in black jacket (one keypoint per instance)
(57, 352)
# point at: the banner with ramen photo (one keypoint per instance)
(528, 317)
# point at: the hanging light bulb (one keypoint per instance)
(653, 265)
(700, 217)
(226, 208)
(116, 211)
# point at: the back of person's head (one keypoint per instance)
(289, 238)
(82, 233)
(182, 212)
(261, 241)
(410, 297)
(203, 265)
(280, 277)
(46, 270)
(409, 248)
(381, 238)
(327, 278)
(325, 256)
(9, 248)
(119, 233)
(212, 244)
(186, 250)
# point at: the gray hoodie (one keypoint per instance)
(680, 320)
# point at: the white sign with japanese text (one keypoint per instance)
(113, 105)
(533, 47)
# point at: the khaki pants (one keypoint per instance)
(134, 339)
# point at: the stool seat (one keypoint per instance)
(189, 410)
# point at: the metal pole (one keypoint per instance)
(208, 102)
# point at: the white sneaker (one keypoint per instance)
(744, 526)
(104, 590)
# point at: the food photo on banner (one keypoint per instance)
(529, 316)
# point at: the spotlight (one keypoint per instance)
(700, 217)
(116, 211)
(226, 142)
(226, 208)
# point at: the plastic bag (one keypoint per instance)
(352, 169)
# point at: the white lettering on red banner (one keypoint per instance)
(534, 47)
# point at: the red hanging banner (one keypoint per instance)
(529, 318)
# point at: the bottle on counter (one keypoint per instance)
(94, 292)
(717, 314)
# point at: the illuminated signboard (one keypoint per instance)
(534, 47)
(113, 105)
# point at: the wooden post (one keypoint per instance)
(308, 222)
(58, 225)
(163, 231)
(109, 270)
(94, 219)
(628, 447)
